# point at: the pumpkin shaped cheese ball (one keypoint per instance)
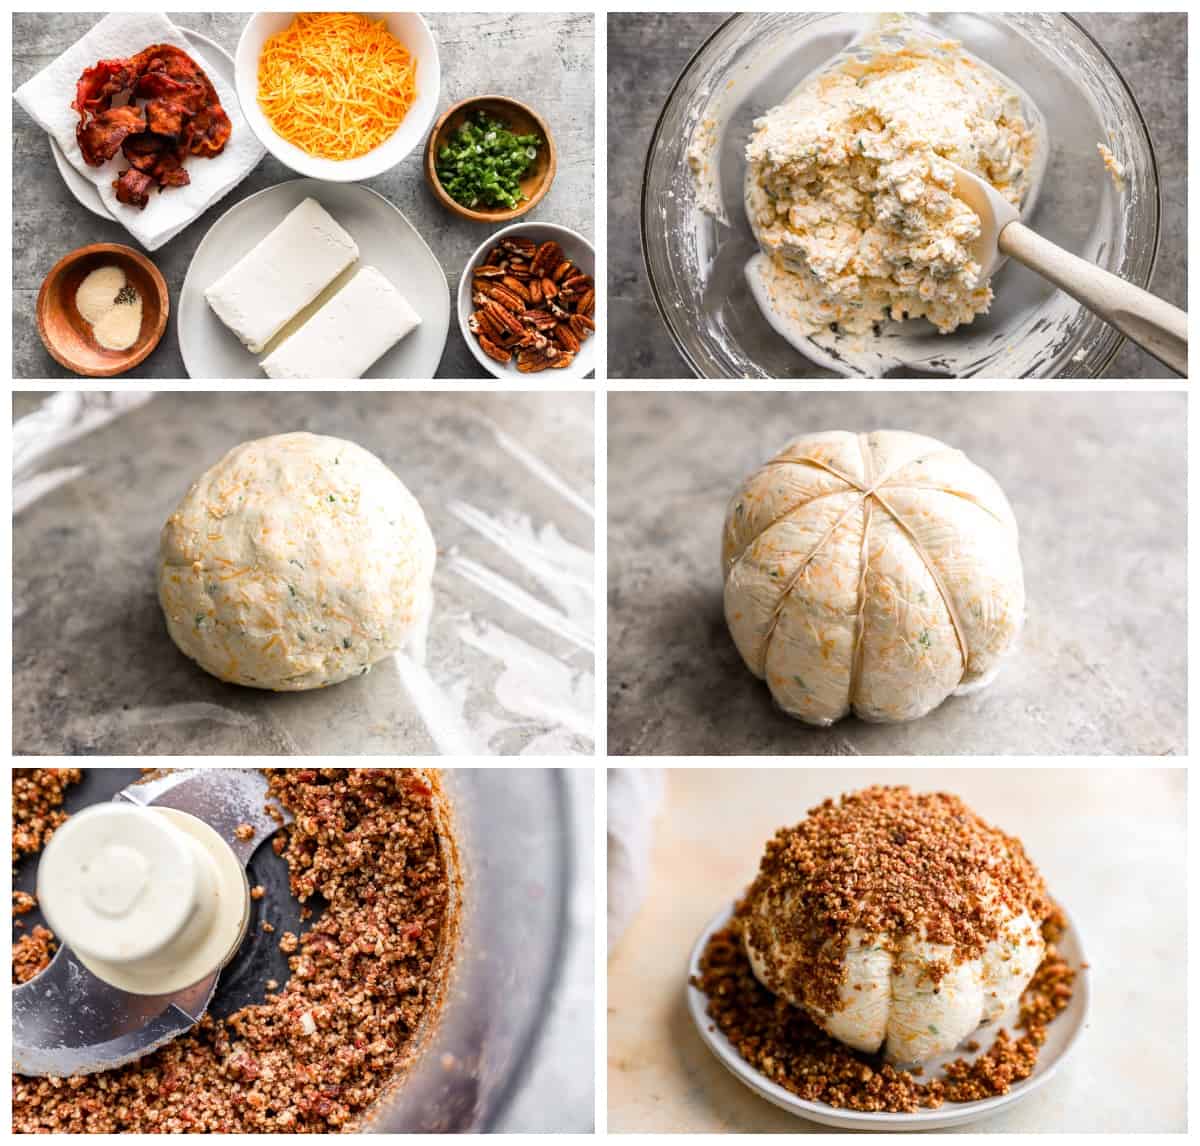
(899, 922)
(295, 562)
(871, 573)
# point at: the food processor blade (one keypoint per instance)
(66, 1021)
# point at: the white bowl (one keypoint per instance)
(1061, 1037)
(411, 30)
(577, 249)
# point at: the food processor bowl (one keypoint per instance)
(515, 846)
(696, 239)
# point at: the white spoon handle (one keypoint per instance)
(1156, 326)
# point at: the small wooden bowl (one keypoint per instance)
(68, 337)
(521, 120)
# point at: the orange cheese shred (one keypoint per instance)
(336, 84)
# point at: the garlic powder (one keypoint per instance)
(111, 306)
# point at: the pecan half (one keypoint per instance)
(583, 326)
(492, 350)
(503, 318)
(517, 287)
(503, 296)
(540, 319)
(516, 245)
(566, 338)
(549, 254)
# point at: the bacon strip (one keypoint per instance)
(100, 84)
(133, 188)
(103, 136)
(182, 116)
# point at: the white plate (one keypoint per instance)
(84, 189)
(407, 27)
(577, 249)
(1061, 1036)
(385, 238)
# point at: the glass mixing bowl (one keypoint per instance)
(696, 238)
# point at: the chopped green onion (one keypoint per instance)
(483, 163)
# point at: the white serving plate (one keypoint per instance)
(213, 57)
(1061, 1037)
(411, 30)
(578, 250)
(385, 238)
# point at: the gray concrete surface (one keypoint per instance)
(94, 670)
(646, 51)
(543, 58)
(1098, 485)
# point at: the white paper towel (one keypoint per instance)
(634, 797)
(47, 98)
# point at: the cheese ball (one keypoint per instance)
(875, 574)
(296, 562)
(899, 922)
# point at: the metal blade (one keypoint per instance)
(66, 1021)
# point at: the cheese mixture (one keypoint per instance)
(1114, 167)
(296, 562)
(850, 195)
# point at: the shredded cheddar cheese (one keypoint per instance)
(336, 84)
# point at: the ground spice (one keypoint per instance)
(364, 980)
(783, 1044)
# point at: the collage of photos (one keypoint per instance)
(673, 400)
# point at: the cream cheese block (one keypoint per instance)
(363, 321)
(282, 274)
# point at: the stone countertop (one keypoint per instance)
(506, 483)
(478, 53)
(1111, 846)
(1097, 483)
(647, 51)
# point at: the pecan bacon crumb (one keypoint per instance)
(32, 953)
(784, 1045)
(37, 806)
(889, 862)
(315, 1056)
(533, 303)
